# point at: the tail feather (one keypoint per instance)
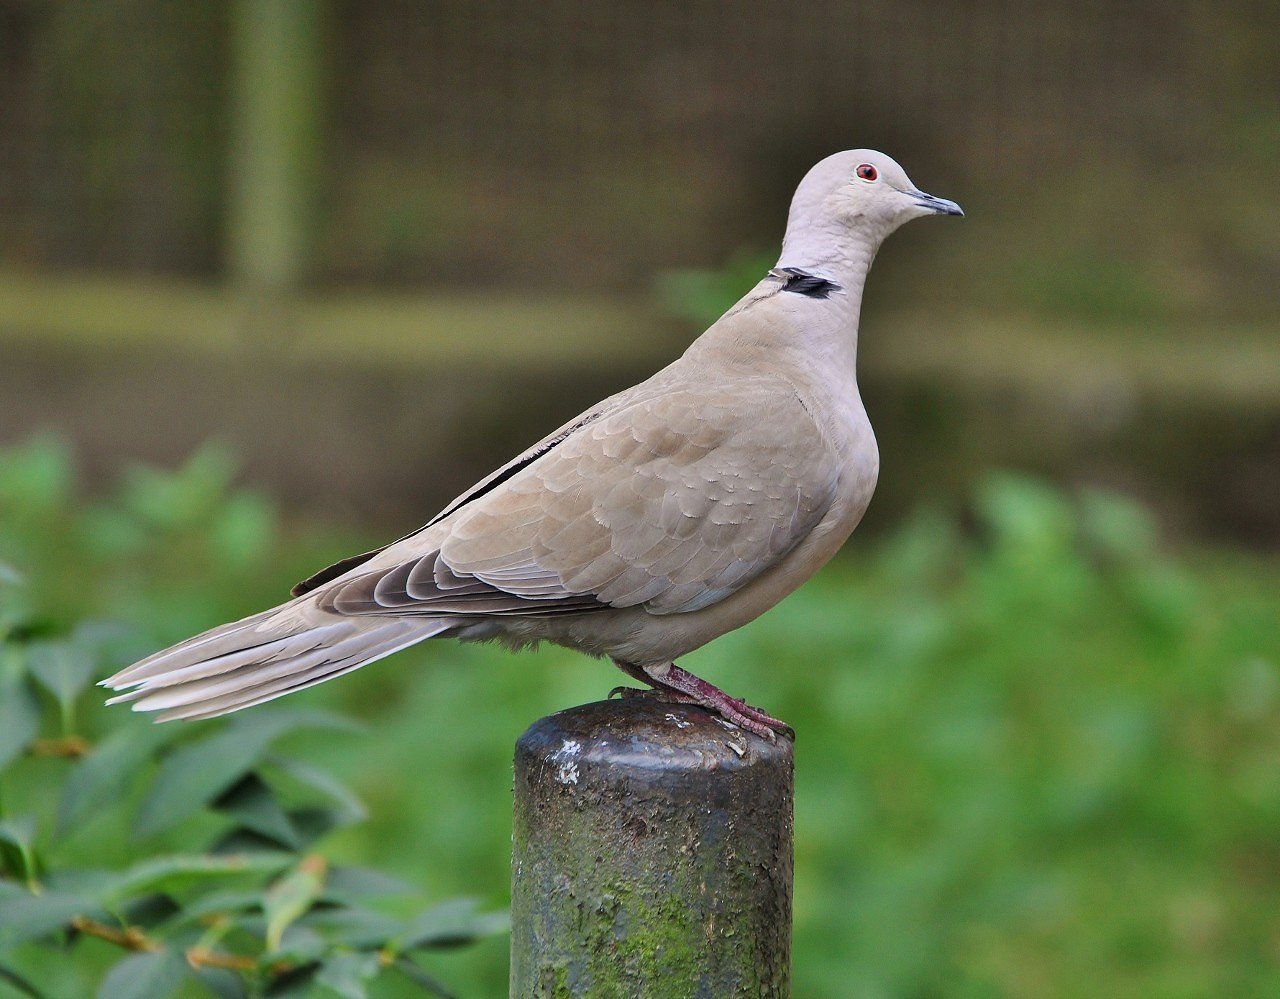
(269, 651)
(260, 658)
(259, 693)
(201, 648)
(166, 692)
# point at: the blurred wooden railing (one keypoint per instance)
(373, 404)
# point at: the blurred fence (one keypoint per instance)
(1105, 312)
(559, 143)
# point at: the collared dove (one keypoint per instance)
(658, 520)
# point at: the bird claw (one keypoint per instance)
(743, 715)
(653, 693)
(681, 686)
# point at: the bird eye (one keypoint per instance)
(867, 172)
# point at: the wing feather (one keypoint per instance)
(672, 503)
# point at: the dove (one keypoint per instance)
(656, 521)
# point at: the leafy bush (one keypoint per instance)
(1036, 748)
(169, 856)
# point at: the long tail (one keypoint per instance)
(262, 657)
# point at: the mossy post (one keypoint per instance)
(651, 856)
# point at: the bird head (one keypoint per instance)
(862, 192)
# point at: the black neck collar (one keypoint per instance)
(801, 282)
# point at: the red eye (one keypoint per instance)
(867, 172)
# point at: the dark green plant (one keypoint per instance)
(1038, 740)
(172, 859)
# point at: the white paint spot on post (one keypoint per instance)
(564, 760)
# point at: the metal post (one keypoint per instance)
(651, 856)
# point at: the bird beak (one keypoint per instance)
(939, 206)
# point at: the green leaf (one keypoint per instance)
(704, 295)
(241, 527)
(101, 777)
(115, 533)
(78, 881)
(291, 896)
(36, 477)
(428, 983)
(196, 773)
(9, 576)
(351, 884)
(17, 982)
(29, 917)
(149, 910)
(15, 611)
(1118, 526)
(1027, 517)
(450, 923)
(20, 831)
(17, 836)
(346, 973)
(173, 500)
(242, 841)
(350, 807)
(222, 903)
(253, 804)
(282, 720)
(299, 945)
(170, 873)
(222, 983)
(295, 983)
(19, 718)
(362, 929)
(107, 639)
(144, 976)
(63, 668)
(314, 822)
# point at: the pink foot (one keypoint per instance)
(671, 681)
(653, 693)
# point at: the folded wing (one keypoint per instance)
(672, 502)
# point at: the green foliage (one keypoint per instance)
(1029, 775)
(1036, 757)
(1035, 749)
(703, 296)
(144, 552)
(169, 860)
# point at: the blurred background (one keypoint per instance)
(279, 278)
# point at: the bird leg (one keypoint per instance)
(671, 682)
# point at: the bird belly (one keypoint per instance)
(633, 634)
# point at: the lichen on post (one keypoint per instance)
(651, 856)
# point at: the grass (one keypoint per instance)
(1036, 756)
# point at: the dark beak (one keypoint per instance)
(939, 205)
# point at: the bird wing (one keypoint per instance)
(672, 501)
(489, 482)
